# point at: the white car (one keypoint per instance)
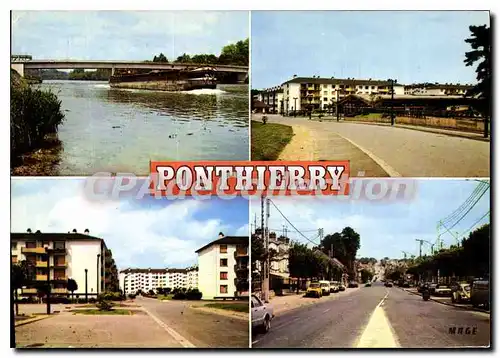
(262, 315)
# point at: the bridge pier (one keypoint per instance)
(242, 77)
(18, 67)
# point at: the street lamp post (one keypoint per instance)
(392, 100)
(286, 109)
(294, 105)
(86, 287)
(48, 279)
(98, 276)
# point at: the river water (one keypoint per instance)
(120, 131)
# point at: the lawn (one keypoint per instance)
(238, 307)
(269, 140)
(164, 297)
(99, 312)
(372, 116)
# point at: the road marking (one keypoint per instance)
(386, 167)
(378, 333)
(326, 310)
(180, 339)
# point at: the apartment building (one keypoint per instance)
(437, 89)
(273, 97)
(137, 279)
(224, 267)
(301, 93)
(81, 257)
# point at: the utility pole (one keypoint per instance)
(392, 101)
(266, 250)
(86, 287)
(337, 114)
(420, 250)
(98, 275)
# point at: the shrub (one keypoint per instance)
(33, 115)
(104, 305)
(111, 296)
(131, 296)
(194, 294)
(179, 295)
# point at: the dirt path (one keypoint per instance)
(301, 147)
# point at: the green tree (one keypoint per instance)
(72, 286)
(480, 41)
(366, 275)
(160, 58)
(22, 275)
(184, 58)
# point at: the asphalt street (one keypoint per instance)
(376, 317)
(198, 328)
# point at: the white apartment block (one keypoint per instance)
(436, 89)
(136, 279)
(224, 267)
(274, 98)
(300, 93)
(81, 257)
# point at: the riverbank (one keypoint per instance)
(39, 162)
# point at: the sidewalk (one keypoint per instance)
(291, 301)
(447, 301)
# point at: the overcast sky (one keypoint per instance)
(385, 228)
(410, 46)
(124, 35)
(141, 233)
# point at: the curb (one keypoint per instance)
(452, 304)
(31, 320)
(220, 312)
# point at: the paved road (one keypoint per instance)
(398, 151)
(375, 317)
(201, 329)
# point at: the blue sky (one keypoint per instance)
(141, 233)
(124, 35)
(386, 228)
(411, 46)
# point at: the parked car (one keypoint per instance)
(314, 290)
(432, 287)
(353, 284)
(334, 287)
(368, 284)
(406, 284)
(325, 287)
(388, 284)
(460, 292)
(442, 290)
(341, 287)
(262, 315)
(480, 293)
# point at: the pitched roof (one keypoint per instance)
(259, 104)
(337, 81)
(227, 240)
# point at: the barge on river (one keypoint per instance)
(167, 80)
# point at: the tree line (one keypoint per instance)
(236, 54)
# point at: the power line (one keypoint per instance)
(469, 229)
(466, 207)
(284, 217)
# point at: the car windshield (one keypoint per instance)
(324, 285)
(314, 285)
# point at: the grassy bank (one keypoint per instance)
(103, 312)
(269, 140)
(237, 307)
(35, 116)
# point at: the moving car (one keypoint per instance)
(341, 287)
(460, 292)
(368, 284)
(442, 290)
(314, 290)
(334, 287)
(262, 315)
(353, 284)
(325, 287)
(406, 284)
(388, 284)
(480, 293)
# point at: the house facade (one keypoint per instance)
(224, 267)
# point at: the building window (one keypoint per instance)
(223, 249)
(366, 87)
(325, 99)
(373, 87)
(223, 288)
(30, 244)
(223, 275)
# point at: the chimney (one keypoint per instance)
(86, 231)
(38, 232)
(221, 235)
(74, 231)
(28, 231)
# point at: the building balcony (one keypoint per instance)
(60, 264)
(59, 290)
(41, 264)
(33, 250)
(29, 291)
(41, 277)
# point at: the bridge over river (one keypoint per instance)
(20, 63)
